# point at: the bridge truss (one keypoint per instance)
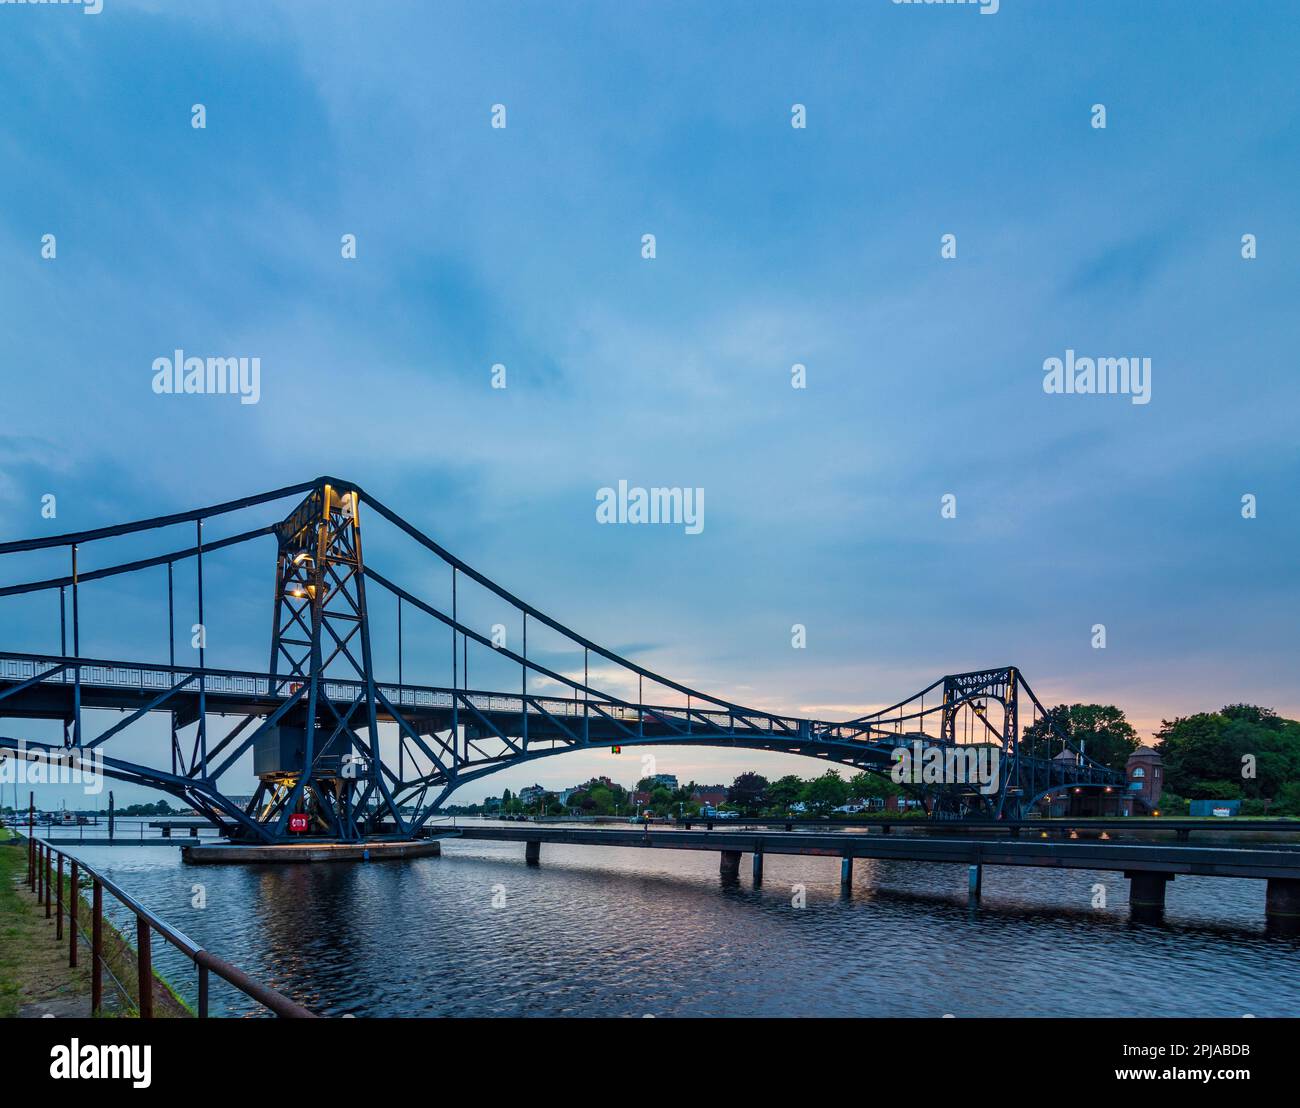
(339, 753)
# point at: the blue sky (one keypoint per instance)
(775, 246)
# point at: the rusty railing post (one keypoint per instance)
(49, 874)
(40, 869)
(144, 967)
(75, 896)
(97, 949)
(58, 897)
(203, 992)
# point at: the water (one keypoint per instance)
(599, 931)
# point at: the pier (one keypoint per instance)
(1149, 867)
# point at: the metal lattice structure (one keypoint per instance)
(316, 719)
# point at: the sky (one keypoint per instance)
(774, 246)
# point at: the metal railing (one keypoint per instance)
(45, 879)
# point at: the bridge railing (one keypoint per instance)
(45, 865)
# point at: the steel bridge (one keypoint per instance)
(340, 753)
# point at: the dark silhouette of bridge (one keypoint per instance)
(312, 719)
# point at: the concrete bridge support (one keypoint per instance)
(975, 883)
(533, 852)
(730, 865)
(1146, 896)
(1282, 905)
(758, 867)
(846, 872)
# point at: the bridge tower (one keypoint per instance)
(315, 761)
(968, 697)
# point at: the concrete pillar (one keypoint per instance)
(758, 867)
(846, 872)
(1146, 893)
(730, 864)
(975, 882)
(533, 852)
(1282, 904)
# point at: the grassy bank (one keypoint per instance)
(35, 978)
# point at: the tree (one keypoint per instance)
(1099, 730)
(748, 793)
(871, 786)
(784, 793)
(602, 800)
(1193, 751)
(1252, 713)
(1241, 751)
(828, 791)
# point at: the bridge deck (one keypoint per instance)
(124, 685)
(38, 686)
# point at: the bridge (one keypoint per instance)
(343, 753)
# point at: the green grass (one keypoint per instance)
(34, 966)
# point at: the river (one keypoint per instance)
(598, 931)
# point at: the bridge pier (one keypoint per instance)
(846, 872)
(729, 867)
(1146, 893)
(533, 852)
(1282, 905)
(975, 883)
(758, 867)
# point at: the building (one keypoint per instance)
(1139, 796)
(667, 780)
(530, 794)
(1145, 775)
(710, 796)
